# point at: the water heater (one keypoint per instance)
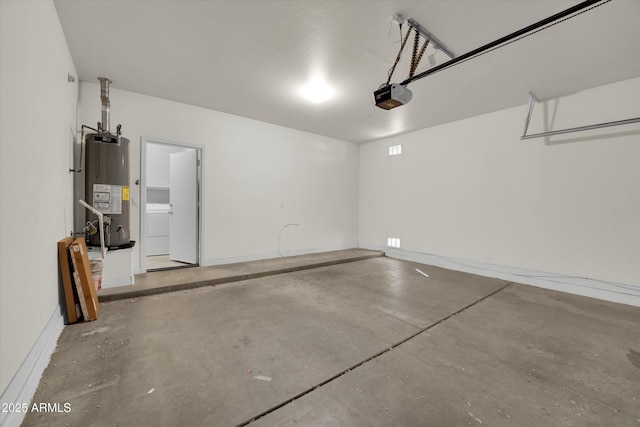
(107, 180)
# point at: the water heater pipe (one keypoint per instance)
(100, 220)
(104, 97)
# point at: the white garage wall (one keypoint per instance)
(258, 177)
(38, 118)
(473, 193)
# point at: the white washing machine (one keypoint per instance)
(157, 229)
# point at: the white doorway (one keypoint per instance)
(171, 199)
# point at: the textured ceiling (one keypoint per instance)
(250, 58)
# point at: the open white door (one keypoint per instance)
(183, 196)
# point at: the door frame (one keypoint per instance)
(144, 140)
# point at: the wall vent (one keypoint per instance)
(395, 150)
(393, 242)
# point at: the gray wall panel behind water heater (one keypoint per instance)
(107, 186)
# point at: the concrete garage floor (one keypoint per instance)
(367, 343)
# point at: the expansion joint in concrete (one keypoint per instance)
(375, 356)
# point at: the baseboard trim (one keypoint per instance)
(25, 382)
(608, 291)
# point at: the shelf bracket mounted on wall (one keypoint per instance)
(532, 103)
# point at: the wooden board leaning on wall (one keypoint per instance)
(80, 292)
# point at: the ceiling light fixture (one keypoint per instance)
(317, 90)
